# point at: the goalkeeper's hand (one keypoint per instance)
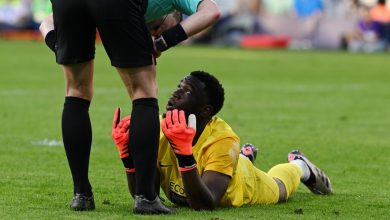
(120, 133)
(180, 135)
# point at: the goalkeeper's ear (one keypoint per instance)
(192, 121)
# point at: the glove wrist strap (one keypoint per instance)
(186, 162)
(130, 170)
(128, 164)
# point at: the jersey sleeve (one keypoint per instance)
(187, 7)
(222, 156)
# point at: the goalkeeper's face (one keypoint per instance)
(189, 96)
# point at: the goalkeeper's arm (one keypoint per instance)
(203, 193)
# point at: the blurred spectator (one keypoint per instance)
(278, 7)
(309, 13)
(40, 9)
(22, 14)
(226, 6)
(368, 35)
(239, 17)
(307, 8)
(381, 14)
(368, 3)
(247, 6)
(340, 9)
(15, 14)
(332, 7)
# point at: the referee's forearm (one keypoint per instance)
(207, 14)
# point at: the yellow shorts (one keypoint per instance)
(261, 188)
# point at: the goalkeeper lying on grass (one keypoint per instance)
(199, 161)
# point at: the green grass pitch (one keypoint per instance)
(333, 106)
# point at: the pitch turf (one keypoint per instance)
(332, 106)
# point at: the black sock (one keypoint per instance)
(77, 138)
(144, 139)
(312, 178)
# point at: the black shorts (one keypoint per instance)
(121, 26)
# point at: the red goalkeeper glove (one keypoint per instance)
(120, 135)
(180, 137)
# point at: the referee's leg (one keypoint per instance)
(77, 131)
(126, 39)
(75, 47)
(144, 135)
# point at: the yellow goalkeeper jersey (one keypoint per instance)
(217, 149)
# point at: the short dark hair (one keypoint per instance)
(214, 89)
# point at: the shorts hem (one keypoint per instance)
(74, 61)
(133, 63)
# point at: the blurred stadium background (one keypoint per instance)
(355, 25)
(332, 105)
